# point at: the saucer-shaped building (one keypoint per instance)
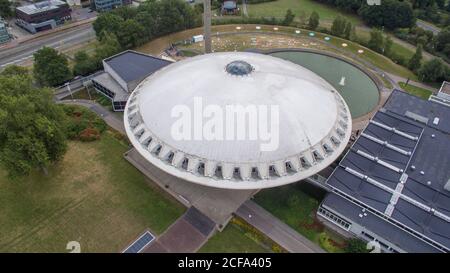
(313, 122)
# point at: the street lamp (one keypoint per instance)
(69, 89)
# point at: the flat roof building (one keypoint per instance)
(105, 5)
(443, 95)
(122, 73)
(42, 15)
(393, 185)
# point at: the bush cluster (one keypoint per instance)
(83, 124)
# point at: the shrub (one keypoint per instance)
(326, 243)
(83, 124)
(356, 246)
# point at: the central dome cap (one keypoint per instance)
(313, 121)
(239, 68)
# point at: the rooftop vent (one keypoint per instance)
(416, 117)
(436, 121)
(447, 185)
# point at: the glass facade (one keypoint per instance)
(334, 218)
(105, 91)
(104, 5)
(117, 105)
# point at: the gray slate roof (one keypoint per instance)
(131, 65)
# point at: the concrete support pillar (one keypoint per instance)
(207, 24)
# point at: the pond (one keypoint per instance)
(356, 87)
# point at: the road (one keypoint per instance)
(60, 40)
(428, 26)
(276, 230)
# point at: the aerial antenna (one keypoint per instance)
(207, 24)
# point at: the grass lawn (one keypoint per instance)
(377, 59)
(416, 91)
(402, 51)
(92, 196)
(278, 9)
(296, 205)
(232, 240)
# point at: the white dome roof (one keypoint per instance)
(314, 122)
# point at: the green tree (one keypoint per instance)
(6, 10)
(109, 45)
(50, 67)
(390, 14)
(148, 17)
(107, 22)
(288, 18)
(335, 26)
(125, 12)
(15, 70)
(415, 61)
(349, 5)
(432, 70)
(151, 19)
(130, 34)
(175, 15)
(32, 126)
(356, 246)
(314, 20)
(440, 3)
(443, 39)
(376, 41)
(338, 26)
(84, 64)
(348, 30)
(446, 50)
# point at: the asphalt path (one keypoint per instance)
(276, 230)
(60, 40)
(428, 26)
